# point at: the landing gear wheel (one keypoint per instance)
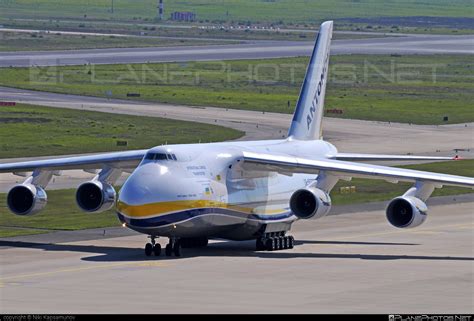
(260, 245)
(148, 249)
(284, 242)
(157, 249)
(275, 244)
(168, 249)
(270, 244)
(177, 249)
(291, 242)
(278, 243)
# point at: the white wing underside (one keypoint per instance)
(289, 164)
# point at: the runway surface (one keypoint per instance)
(347, 135)
(427, 44)
(347, 263)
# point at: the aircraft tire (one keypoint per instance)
(157, 249)
(148, 249)
(278, 243)
(168, 250)
(177, 249)
(284, 242)
(270, 244)
(260, 245)
(291, 242)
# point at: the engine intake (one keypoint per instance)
(95, 196)
(26, 199)
(310, 202)
(406, 212)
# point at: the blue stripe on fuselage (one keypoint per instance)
(177, 217)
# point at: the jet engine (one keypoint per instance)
(310, 202)
(26, 199)
(95, 196)
(406, 212)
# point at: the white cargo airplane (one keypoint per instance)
(232, 190)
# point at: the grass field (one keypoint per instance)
(232, 30)
(18, 231)
(411, 89)
(61, 212)
(276, 11)
(20, 41)
(44, 131)
(204, 34)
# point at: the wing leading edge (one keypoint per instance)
(119, 160)
(289, 164)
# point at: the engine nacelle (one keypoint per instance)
(95, 196)
(406, 212)
(310, 203)
(26, 199)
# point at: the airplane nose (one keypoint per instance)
(142, 185)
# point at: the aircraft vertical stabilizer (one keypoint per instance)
(306, 123)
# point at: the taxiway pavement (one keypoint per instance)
(346, 263)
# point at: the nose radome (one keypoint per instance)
(147, 184)
(153, 183)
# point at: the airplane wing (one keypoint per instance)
(288, 164)
(380, 157)
(118, 160)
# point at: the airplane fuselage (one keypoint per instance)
(197, 190)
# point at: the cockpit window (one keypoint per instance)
(155, 156)
(160, 156)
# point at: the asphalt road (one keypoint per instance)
(347, 263)
(427, 44)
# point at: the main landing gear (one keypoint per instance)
(274, 242)
(173, 247)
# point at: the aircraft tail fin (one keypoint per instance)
(307, 119)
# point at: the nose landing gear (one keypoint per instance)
(152, 247)
(174, 246)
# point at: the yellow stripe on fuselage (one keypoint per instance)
(161, 208)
